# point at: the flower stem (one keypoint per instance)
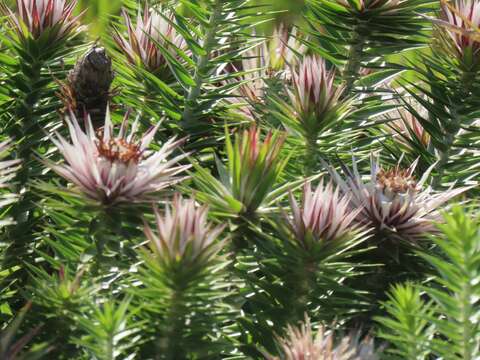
(109, 346)
(310, 155)
(27, 132)
(466, 316)
(94, 233)
(171, 347)
(302, 285)
(100, 245)
(355, 55)
(443, 158)
(107, 221)
(202, 64)
(454, 126)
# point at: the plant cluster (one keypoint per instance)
(215, 179)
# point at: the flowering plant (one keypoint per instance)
(234, 215)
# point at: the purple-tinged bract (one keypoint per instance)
(145, 38)
(324, 215)
(300, 343)
(462, 22)
(254, 166)
(183, 234)
(314, 92)
(37, 17)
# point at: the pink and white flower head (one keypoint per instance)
(392, 200)
(255, 166)
(183, 234)
(324, 215)
(462, 22)
(284, 50)
(300, 343)
(144, 38)
(406, 128)
(113, 168)
(37, 17)
(314, 90)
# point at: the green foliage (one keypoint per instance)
(408, 325)
(249, 180)
(11, 348)
(445, 322)
(110, 331)
(354, 34)
(284, 281)
(179, 305)
(266, 96)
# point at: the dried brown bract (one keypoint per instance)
(87, 89)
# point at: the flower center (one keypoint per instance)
(119, 150)
(396, 180)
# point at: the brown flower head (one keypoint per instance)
(87, 89)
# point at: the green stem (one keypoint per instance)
(107, 221)
(355, 54)
(454, 127)
(110, 355)
(310, 155)
(27, 132)
(466, 315)
(467, 311)
(171, 344)
(100, 245)
(444, 156)
(241, 231)
(302, 285)
(94, 233)
(202, 63)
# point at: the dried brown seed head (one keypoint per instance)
(119, 150)
(88, 85)
(397, 180)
